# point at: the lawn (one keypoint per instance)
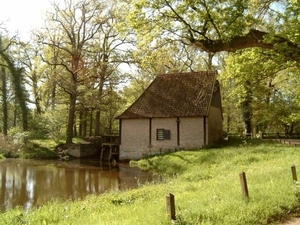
(206, 186)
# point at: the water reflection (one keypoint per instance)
(30, 183)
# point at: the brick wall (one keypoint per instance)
(135, 138)
(191, 132)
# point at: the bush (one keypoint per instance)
(54, 123)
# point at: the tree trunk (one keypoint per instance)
(247, 108)
(16, 74)
(4, 101)
(72, 105)
(74, 127)
(110, 131)
(80, 123)
(91, 123)
(228, 120)
(19, 91)
(15, 112)
(100, 98)
(97, 123)
(210, 60)
(37, 98)
(84, 125)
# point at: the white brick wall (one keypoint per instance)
(167, 124)
(191, 132)
(135, 136)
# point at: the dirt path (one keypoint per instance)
(292, 221)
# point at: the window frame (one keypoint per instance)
(163, 134)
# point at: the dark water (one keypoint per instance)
(29, 183)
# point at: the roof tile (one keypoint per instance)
(174, 95)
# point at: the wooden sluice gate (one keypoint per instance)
(109, 148)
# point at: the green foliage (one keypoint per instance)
(205, 184)
(15, 144)
(272, 87)
(19, 145)
(38, 128)
(20, 138)
(17, 79)
(54, 123)
(200, 15)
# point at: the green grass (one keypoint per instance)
(32, 149)
(41, 149)
(206, 187)
(37, 149)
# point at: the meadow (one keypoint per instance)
(206, 186)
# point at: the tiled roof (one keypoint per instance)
(174, 95)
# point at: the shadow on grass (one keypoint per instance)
(39, 153)
(238, 142)
(175, 162)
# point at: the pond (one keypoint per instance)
(28, 183)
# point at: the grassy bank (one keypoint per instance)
(34, 149)
(206, 186)
(31, 148)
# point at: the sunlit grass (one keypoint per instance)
(206, 187)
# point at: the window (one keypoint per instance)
(162, 134)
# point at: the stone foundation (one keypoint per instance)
(84, 150)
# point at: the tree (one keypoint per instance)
(165, 56)
(285, 102)
(206, 24)
(68, 30)
(112, 107)
(28, 56)
(17, 81)
(107, 52)
(4, 100)
(250, 81)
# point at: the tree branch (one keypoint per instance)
(254, 38)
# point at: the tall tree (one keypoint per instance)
(4, 100)
(17, 79)
(28, 56)
(69, 28)
(108, 53)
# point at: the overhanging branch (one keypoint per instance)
(254, 38)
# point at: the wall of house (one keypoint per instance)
(158, 146)
(214, 124)
(191, 132)
(134, 138)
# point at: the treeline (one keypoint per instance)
(91, 59)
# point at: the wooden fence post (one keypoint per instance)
(294, 173)
(244, 184)
(171, 206)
